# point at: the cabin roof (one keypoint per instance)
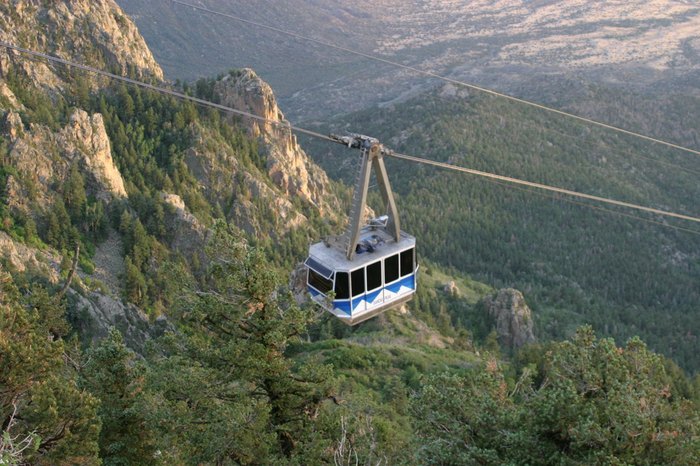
(335, 259)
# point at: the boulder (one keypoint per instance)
(513, 318)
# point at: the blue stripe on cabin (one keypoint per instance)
(394, 288)
(408, 282)
(372, 296)
(356, 301)
(343, 306)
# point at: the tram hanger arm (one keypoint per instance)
(372, 159)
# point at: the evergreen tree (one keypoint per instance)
(39, 396)
(135, 283)
(589, 402)
(116, 378)
(74, 196)
(228, 375)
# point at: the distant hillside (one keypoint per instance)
(499, 44)
(146, 315)
(575, 264)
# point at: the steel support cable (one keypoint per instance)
(437, 76)
(162, 90)
(556, 197)
(544, 187)
(599, 143)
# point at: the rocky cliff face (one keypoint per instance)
(93, 32)
(93, 314)
(188, 233)
(513, 317)
(37, 158)
(43, 139)
(43, 159)
(22, 258)
(287, 164)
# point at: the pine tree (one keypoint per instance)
(135, 283)
(236, 332)
(74, 196)
(116, 378)
(39, 396)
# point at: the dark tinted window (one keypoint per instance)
(391, 269)
(321, 284)
(318, 267)
(374, 276)
(407, 262)
(358, 282)
(342, 290)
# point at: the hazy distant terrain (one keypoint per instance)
(499, 43)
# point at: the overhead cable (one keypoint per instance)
(161, 90)
(544, 187)
(442, 78)
(573, 201)
(284, 124)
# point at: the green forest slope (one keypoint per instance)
(600, 265)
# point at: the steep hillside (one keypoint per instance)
(575, 264)
(134, 178)
(96, 32)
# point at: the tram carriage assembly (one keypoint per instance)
(372, 267)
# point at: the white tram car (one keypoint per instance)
(380, 277)
(373, 267)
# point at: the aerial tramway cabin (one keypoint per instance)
(372, 267)
(382, 275)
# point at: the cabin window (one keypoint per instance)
(407, 262)
(358, 282)
(322, 284)
(374, 276)
(391, 269)
(342, 290)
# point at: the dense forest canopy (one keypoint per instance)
(578, 262)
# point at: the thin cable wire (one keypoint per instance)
(556, 197)
(544, 187)
(442, 78)
(598, 141)
(388, 153)
(161, 90)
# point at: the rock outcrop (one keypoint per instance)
(93, 32)
(43, 158)
(245, 194)
(23, 258)
(8, 99)
(85, 138)
(287, 164)
(451, 289)
(13, 126)
(188, 233)
(513, 318)
(94, 314)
